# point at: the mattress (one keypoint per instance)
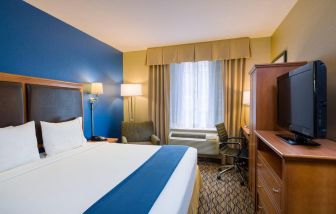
(71, 182)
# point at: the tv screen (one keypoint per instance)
(302, 100)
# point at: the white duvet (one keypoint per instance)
(71, 182)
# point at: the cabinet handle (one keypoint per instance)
(275, 190)
(259, 186)
(260, 207)
(259, 164)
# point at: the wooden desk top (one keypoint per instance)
(326, 151)
(246, 130)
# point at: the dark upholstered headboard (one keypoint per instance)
(11, 104)
(52, 104)
(24, 99)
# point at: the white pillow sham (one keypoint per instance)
(18, 146)
(61, 137)
(82, 131)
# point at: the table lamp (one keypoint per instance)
(246, 98)
(246, 102)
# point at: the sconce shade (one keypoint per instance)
(94, 88)
(246, 98)
(130, 90)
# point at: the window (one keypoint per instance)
(196, 95)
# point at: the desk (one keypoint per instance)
(246, 132)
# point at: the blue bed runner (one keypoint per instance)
(139, 191)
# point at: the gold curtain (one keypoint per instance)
(233, 72)
(158, 100)
(215, 50)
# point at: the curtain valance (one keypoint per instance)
(216, 50)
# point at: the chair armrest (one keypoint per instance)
(237, 138)
(155, 140)
(123, 139)
(221, 144)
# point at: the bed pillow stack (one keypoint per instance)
(18, 145)
(61, 137)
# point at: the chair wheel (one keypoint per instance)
(242, 183)
(218, 177)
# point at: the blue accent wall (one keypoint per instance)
(33, 43)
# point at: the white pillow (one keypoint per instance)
(61, 137)
(81, 125)
(8, 127)
(18, 145)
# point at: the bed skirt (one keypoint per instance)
(193, 206)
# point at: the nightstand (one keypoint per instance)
(112, 140)
(109, 140)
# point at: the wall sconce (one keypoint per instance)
(95, 89)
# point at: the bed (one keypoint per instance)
(75, 181)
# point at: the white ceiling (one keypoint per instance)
(130, 25)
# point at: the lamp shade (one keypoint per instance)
(246, 98)
(94, 88)
(130, 90)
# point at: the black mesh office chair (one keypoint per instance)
(237, 150)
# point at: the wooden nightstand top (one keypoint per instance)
(109, 140)
(112, 140)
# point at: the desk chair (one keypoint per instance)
(238, 152)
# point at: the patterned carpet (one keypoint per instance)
(222, 196)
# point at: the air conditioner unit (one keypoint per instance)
(205, 141)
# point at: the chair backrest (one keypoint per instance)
(222, 133)
(137, 131)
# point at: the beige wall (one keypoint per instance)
(260, 54)
(135, 71)
(309, 33)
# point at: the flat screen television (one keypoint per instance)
(302, 103)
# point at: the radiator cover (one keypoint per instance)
(206, 143)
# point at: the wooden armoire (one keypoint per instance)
(263, 107)
(285, 178)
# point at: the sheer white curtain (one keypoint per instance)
(196, 95)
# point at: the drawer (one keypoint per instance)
(272, 183)
(265, 204)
